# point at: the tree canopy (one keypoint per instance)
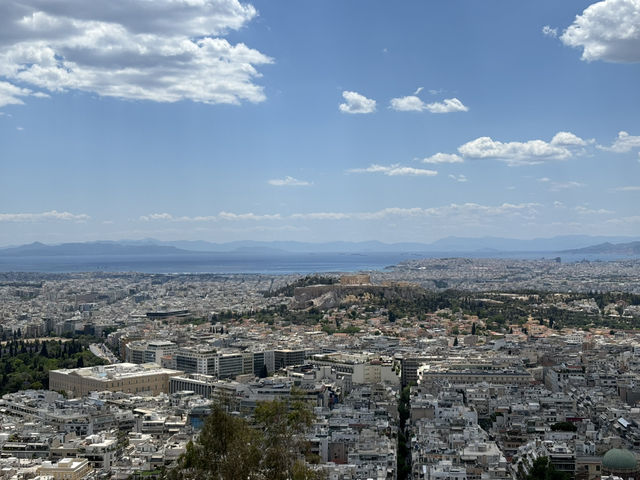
(272, 447)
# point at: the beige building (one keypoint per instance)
(119, 377)
(66, 469)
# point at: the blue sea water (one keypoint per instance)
(249, 263)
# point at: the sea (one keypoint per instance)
(268, 264)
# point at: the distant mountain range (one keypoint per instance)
(38, 249)
(571, 244)
(631, 248)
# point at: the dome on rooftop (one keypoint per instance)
(617, 459)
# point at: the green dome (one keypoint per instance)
(619, 460)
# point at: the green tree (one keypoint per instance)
(227, 448)
(543, 469)
(564, 427)
(284, 425)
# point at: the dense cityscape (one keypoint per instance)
(319, 240)
(485, 377)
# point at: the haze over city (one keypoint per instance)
(318, 121)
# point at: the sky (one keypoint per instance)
(356, 120)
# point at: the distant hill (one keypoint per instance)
(498, 244)
(579, 244)
(444, 245)
(38, 249)
(631, 248)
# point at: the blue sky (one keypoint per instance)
(316, 121)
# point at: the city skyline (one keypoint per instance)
(297, 121)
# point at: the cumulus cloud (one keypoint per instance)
(443, 158)
(412, 103)
(567, 138)
(51, 215)
(163, 51)
(288, 182)
(608, 30)
(356, 103)
(522, 153)
(395, 170)
(11, 94)
(547, 31)
(624, 143)
(447, 106)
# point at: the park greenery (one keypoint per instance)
(287, 290)
(497, 310)
(25, 364)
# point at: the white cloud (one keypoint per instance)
(163, 51)
(555, 186)
(44, 216)
(458, 178)
(607, 30)
(549, 32)
(624, 143)
(412, 103)
(209, 218)
(288, 182)
(531, 152)
(625, 221)
(156, 216)
(465, 212)
(567, 138)
(409, 103)
(628, 188)
(590, 211)
(395, 170)
(443, 158)
(248, 216)
(418, 90)
(322, 216)
(356, 103)
(10, 94)
(447, 106)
